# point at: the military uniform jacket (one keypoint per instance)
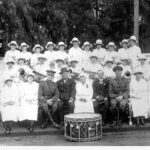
(47, 90)
(100, 88)
(119, 87)
(66, 89)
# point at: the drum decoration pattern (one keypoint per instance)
(83, 127)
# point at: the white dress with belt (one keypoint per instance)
(85, 92)
(139, 97)
(28, 109)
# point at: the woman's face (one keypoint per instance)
(61, 47)
(98, 46)
(111, 48)
(87, 47)
(30, 78)
(50, 47)
(75, 44)
(37, 50)
(10, 64)
(83, 79)
(138, 76)
(21, 61)
(13, 47)
(8, 83)
(24, 48)
(125, 45)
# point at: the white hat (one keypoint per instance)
(14, 43)
(75, 39)
(124, 41)
(8, 78)
(73, 60)
(124, 58)
(86, 43)
(61, 59)
(37, 46)
(24, 44)
(20, 56)
(93, 55)
(133, 38)
(42, 56)
(99, 42)
(10, 60)
(111, 44)
(30, 74)
(109, 60)
(142, 57)
(49, 43)
(61, 44)
(83, 75)
(138, 70)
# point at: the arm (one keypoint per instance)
(41, 98)
(73, 90)
(56, 96)
(94, 90)
(111, 91)
(126, 93)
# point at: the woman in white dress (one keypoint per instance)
(139, 97)
(29, 101)
(84, 92)
(10, 102)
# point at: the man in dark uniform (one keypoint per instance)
(48, 96)
(100, 95)
(66, 87)
(119, 95)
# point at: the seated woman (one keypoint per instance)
(84, 93)
(139, 97)
(10, 101)
(29, 101)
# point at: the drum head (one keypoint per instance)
(82, 115)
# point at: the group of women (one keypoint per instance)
(18, 92)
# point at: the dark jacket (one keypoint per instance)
(100, 89)
(66, 90)
(47, 90)
(119, 87)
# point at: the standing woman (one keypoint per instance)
(29, 102)
(37, 52)
(84, 93)
(10, 102)
(86, 53)
(13, 52)
(61, 52)
(138, 94)
(27, 55)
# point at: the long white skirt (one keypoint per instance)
(139, 108)
(83, 107)
(28, 111)
(10, 113)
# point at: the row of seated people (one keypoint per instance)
(52, 100)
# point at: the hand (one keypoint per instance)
(119, 97)
(105, 99)
(49, 102)
(71, 100)
(94, 100)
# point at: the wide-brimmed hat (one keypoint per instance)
(109, 60)
(21, 57)
(86, 43)
(59, 59)
(117, 68)
(10, 60)
(24, 44)
(49, 43)
(124, 41)
(93, 56)
(124, 58)
(7, 78)
(37, 46)
(99, 42)
(142, 57)
(138, 70)
(13, 43)
(83, 75)
(73, 60)
(63, 70)
(30, 74)
(50, 71)
(75, 39)
(133, 38)
(61, 44)
(111, 44)
(42, 56)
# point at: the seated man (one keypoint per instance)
(100, 95)
(48, 95)
(67, 93)
(119, 94)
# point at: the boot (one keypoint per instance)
(137, 121)
(44, 125)
(142, 122)
(114, 117)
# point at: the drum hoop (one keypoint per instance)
(83, 119)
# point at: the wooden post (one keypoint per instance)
(136, 19)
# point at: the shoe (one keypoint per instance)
(57, 126)
(113, 124)
(7, 130)
(142, 121)
(44, 125)
(31, 130)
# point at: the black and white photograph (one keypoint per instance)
(75, 73)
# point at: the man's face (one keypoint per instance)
(118, 73)
(100, 74)
(50, 75)
(65, 75)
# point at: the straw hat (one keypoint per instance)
(61, 44)
(10, 60)
(75, 39)
(24, 44)
(86, 43)
(98, 42)
(111, 44)
(133, 38)
(42, 56)
(124, 41)
(117, 68)
(138, 70)
(142, 57)
(30, 74)
(49, 43)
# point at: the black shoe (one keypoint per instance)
(57, 126)
(31, 130)
(142, 121)
(44, 125)
(7, 130)
(113, 124)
